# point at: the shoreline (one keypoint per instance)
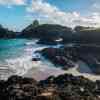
(43, 72)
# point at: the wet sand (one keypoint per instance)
(41, 72)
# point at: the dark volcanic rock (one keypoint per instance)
(68, 56)
(18, 88)
(59, 57)
(48, 33)
(48, 41)
(52, 32)
(63, 87)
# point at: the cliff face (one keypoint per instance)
(63, 87)
(47, 31)
(52, 32)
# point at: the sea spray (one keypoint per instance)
(17, 59)
(20, 65)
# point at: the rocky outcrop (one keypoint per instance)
(47, 33)
(59, 57)
(48, 41)
(17, 88)
(63, 87)
(67, 57)
(51, 32)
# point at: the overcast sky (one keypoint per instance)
(17, 14)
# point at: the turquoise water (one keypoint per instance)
(16, 55)
(16, 59)
(13, 48)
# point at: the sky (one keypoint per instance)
(17, 14)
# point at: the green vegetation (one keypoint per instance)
(52, 32)
(31, 26)
(5, 33)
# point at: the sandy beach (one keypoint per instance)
(41, 72)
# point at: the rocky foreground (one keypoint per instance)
(63, 87)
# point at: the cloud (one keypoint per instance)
(53, 14)
(95, 7)
(12, 2)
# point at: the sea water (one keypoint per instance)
(16, 58)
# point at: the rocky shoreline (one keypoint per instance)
(62, 87)
(67, 57)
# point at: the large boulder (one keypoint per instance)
(59, 57)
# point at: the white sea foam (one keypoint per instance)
(24, 66)
(20, 65)
(31, 42)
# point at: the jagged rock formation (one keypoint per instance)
(67, 57)
(59, 57)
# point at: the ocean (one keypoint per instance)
(16, 59)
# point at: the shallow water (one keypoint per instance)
(16, 57)
(16, 54)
